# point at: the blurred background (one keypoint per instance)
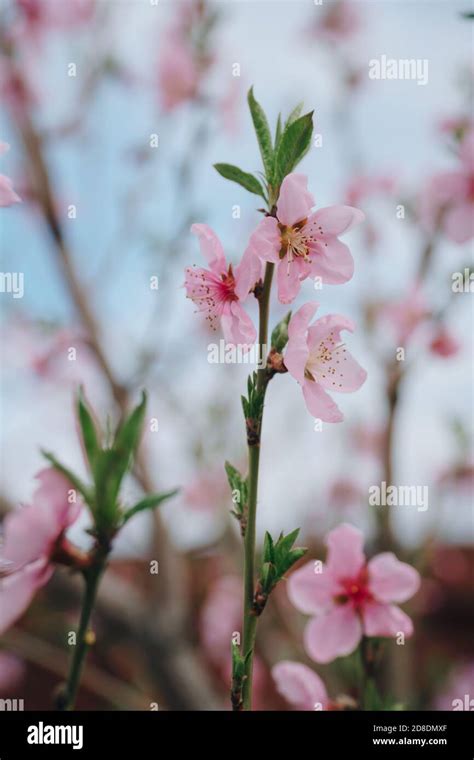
(115, 111)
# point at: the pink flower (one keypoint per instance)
(221, 617)
(219, 291)
(304, 244)
(207, 491)
(341, 21)
(41, 15)
(448, 201)
(178, 74)
(7, 194)
(319, 361)
(300, 686)
(351, 597)
(12, 671)
(406, 315)
(31, 535)
(444, 344)
(368, 185)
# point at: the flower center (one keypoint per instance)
(325, 361)
(355, 590)
(293, 242)
(228, 286)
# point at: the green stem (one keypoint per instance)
(250, 618)
(92, 578)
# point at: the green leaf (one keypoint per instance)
(75, 481)
(128, 433)
(148, 502)
(268, 548)
(239, 484)
(278, 131)
(294, 143)
(280, 334)
(264, 137)
(88, 429)
(246, 180)
(295, 114)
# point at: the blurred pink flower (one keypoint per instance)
(300, 686)
(7, 194)
(219, 291)
(448, 199)
(368, 185)
(456, 126)
(178, 74)
(12, 670)
(344, 495)
(405, 315)
(350, 597)
(338, 21)
(31, 535)
(302, 243)
(458, 692)
(207, 491)
(220, 618)
(318, 360)
(43, 15)
(368, 439)
(444, 344)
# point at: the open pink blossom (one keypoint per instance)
(448, 200)
(365, 186)
(30, 537)
(220, 290)
(320, 362)
(304, 244)
(300, 686)
(7, 194)
(350, 597)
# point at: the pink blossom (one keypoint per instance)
(340, 21)
(221, 617)
(448, 200)
(42, 15)
(220, 291)
(459, 686)
(350, 597)
(406, 315)
(30, 536)
(7, 194)
(178, 74)
(304, 244)
(444, 344)
(368, 185)
(319, 361)
(12, 670)
(300, 686)
(207, 491)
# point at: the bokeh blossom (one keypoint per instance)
(31, 537)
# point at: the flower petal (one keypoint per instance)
(385, 620)
(346, 556)
(458, 222)
(247, 273)
(297, 351)
(289, 280)
(320, 404)
(266, 240)
(295, 201)
(7, 194)
(237, 326)
(211, 247)
(332, 261)
(17, 591)
(312, 592)
(333, 635)
(391, 580)
(300, 685)
(335, 220)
